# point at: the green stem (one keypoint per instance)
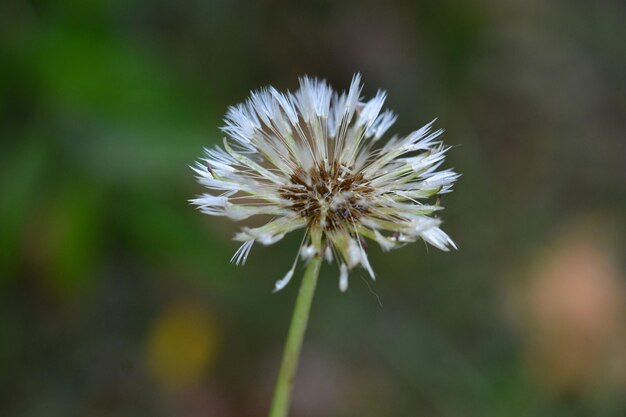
(289, 364)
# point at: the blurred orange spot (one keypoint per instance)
(574, 303)
(182, 344)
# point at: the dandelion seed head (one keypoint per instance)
(311, 160)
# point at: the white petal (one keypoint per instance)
(241, 255)
(282, 283)
(438, 238)
(307, 252)
(385, 243)
(420, 224)
(366, 263)
(353, 253)
(371, 109)
(439, 179)
(353, 96)
(343, 277)
(328, 254)
(382, 123)
(269, 239)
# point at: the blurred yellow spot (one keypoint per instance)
(182, 344)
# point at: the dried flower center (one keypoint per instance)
(330, 198)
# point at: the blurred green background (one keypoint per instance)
(117, 297)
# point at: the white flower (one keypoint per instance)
(311, 160)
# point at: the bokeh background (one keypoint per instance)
(117, 297)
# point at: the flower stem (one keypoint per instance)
(289, 364)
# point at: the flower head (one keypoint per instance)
(312, 160)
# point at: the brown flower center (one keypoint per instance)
(331, 198)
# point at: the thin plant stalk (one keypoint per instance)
(293, 345)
